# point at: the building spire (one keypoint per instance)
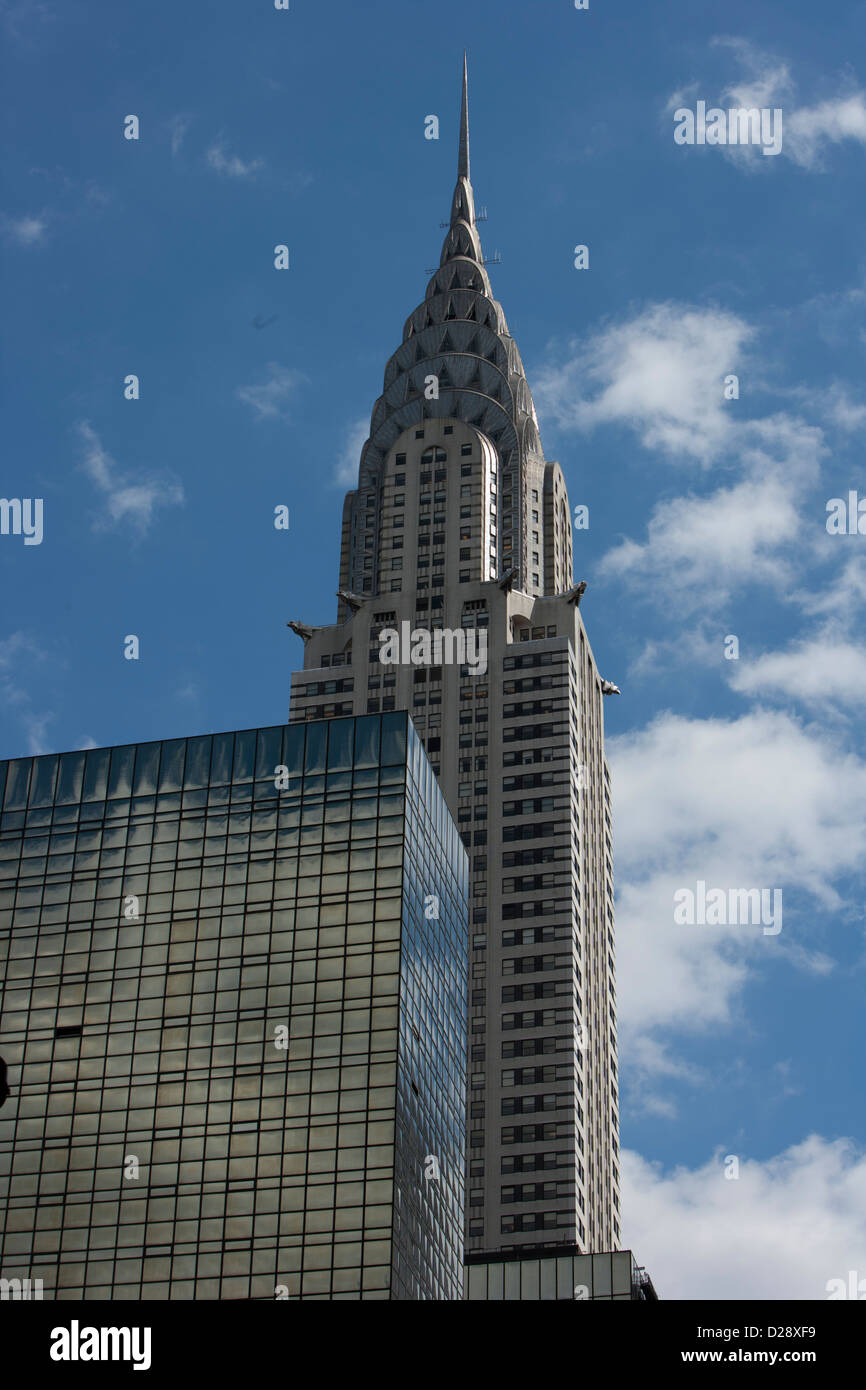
(462, 240)
(463, 160)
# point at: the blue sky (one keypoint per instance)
(707, 516)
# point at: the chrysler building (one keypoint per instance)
(458, 522)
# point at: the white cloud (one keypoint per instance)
(268, 399)
(699, 550)
(809, 128)
(759, 801)
(818, 671)
(781, 1230)
(231, 165)
(346, 471)
(661, 373)
(125, 500)
(25, 231)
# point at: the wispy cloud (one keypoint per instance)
(25, 231)
(701, 550)
(17, 647)
(19, 16)
(231, 165)
(346, 470)
(766, 81)
(844, 598)
(821, 670)
(19, 653)
(127, 500)
(651, 1065)
(693, 647)
(269, 397)
(71, 200)
(178, 126)
(834, 404)
(36, 728)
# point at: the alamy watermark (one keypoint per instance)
(845, 517)
(438, 646)
(736, 907)
(77, 1343)
(741, 125)
(22, 516)
(855, 1287)
(21, 1289)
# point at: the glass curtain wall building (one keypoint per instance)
(613, 1276)
(234, 1018)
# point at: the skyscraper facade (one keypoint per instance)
(457, 602)
(234, 1018)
